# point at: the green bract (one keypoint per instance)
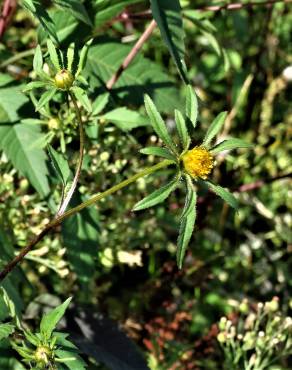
(191, 165)
(65, 76)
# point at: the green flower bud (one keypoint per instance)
(64, 79)
(43, 355)
(54, 123)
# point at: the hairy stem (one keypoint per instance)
(57, 221)
(70, 193)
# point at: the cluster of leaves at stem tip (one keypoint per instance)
(64, 74)
(46, 349)
(192, 166)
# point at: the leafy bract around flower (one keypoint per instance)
(64, 74)
(191, 165)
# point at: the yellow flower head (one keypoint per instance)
(198, 162)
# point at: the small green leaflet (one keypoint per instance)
(82, 97)
(230, 144)
(38, 59)
(224, 194)
(38, 10)
(51, 319)
(125, 119)
(168, 16)
(53, 55)
(187, 224)
(76, 8)
(182, 130)
(192, 106)
(215, 127)
(100, 103)
(157, 196)
(158, 123)
(60, 165)
(83, 57)
(5, 330)
(159, 152)
(71, 359)
(34, 85)
(70, 57)
(45, 98)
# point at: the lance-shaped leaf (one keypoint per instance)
(160, 152)
(53, 55)
(157, 196)
(82, 97)
(83, 56)
(192, 105)
(38, 59)
(230, 144)
(187, 225)
(168, 16)
(182, 130)
(5, 330)
(38, 10)
(45, 98)
(215, 127)
(51, 319)
(34, 85)
(191, 196)
(60, 165)
(70, 57)
(158, 123)
(76, 8)
(224, 194)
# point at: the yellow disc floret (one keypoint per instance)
(198, 162)
(64, 79)
(43, 355)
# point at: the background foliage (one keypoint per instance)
(119, 266)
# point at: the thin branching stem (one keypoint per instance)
(69, 194)
(57, 221)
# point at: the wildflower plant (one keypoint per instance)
(47, 348)
(64, 74)
(258, 339)
(193, 166)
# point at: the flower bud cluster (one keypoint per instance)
(256, 333)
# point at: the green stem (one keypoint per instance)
(95, 198)
(15, 58)
(65, 202)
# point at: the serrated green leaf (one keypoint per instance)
(224, 194)
(214, 128)
(125, 119)
(82, 97)
(230, 144)
(53, 55)
(157, 196)
(186, 227)
(60, 165)
(45, 98)
(182, 130)
(38, 10)
(76, 8)
(34, 85)
(70, 57)
(158, 124)
(51, 319)
(160, 152)
(168, 16)
(32, 338)
(38, 59)
(83, 57)
(192, 105)
(6, 330)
